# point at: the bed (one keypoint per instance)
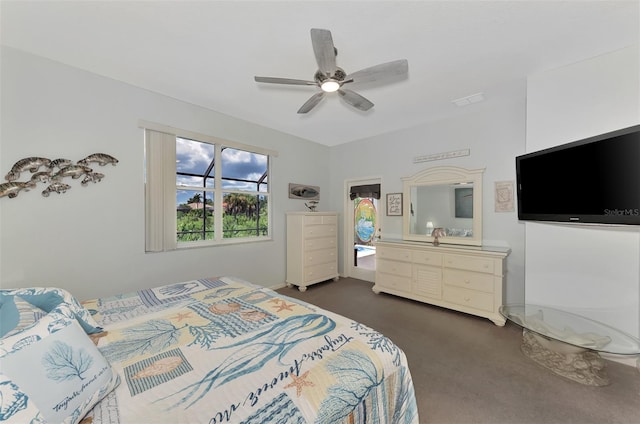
(222, 350)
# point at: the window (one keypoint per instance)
(204, 191)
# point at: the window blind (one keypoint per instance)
(160, 182)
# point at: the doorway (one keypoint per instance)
(362, 227)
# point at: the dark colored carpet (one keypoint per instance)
(467, 370)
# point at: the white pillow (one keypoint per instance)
(52, 371)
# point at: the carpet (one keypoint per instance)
(467, 370)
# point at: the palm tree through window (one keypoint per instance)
(220, 185)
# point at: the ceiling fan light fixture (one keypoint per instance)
(330, 86)
(330, 78)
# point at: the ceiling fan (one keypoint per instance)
(330, 78)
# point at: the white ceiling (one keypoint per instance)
(207, 52)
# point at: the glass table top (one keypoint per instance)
(570, 328)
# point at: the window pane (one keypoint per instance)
(194, 212)
(245, 215)
(264, 187)
(194, 163)
(244, 171)
(365, 216)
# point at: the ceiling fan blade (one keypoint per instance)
(355, 99)
(377, 72)
(324, 50)
(274, 80)
(311, 103)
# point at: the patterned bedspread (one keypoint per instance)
(222, 350)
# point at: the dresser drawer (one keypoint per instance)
(470, 298)
(397, 268)
(427, 281)
(395, 282)
(427, 258)
(320, 243)
(469, 280)
(322, 271)
(328, 230)
(320, 256)
(469, 263)
(394, 254)
(320, 219)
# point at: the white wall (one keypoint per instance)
(593, 271)
(495, 134)
(90, 240)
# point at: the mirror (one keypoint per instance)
(447, 199)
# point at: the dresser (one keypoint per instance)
(468, 279)
(312, 248)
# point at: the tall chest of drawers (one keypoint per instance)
(465, 279)
(312, 248)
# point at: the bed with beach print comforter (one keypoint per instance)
(222, 350)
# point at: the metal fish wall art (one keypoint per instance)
(12, 189)
(41, 177)
(101, 158)
(56, 188)
(60, 163)
(44, 170)
(92, 176)
(27, 164)
(73, 171)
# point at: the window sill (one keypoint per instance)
(224, 242)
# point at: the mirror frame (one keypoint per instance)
(445, 175)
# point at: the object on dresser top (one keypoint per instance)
(312, 205)
(436, 234)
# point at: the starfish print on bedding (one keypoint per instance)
(283, 305)
(182, 316)
(299, 383)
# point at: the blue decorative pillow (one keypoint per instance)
(17, 314)
(52, 372)
(47, 298)
(9, 315)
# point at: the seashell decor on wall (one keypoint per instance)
(52, 172)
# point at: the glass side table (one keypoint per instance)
(568, 344)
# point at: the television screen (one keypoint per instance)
(595, 180)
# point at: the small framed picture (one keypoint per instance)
(504, 196)
(394, 204)
(304, 191)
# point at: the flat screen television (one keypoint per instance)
(593, 181)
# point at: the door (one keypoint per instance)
(361, 227)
